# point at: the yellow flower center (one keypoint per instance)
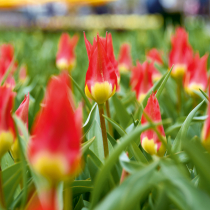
(63, 64)
(150, 147)
(194, 86)
(141, 97)
(178, 71)
(15, 150)
(51, 166)
(100, 92)
(123, 68)
(6, 140)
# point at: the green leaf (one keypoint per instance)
(205, 95)
(11, 178)
(90, 119)
(176, 147)
(137, 153)
(87, 144)
(160, 89)
(111, 160)
(6, 161)
(119, 129)
(82, 93)
(79, 204)
(121, 113)
(81, 186)
(129, 193)
(201, 159)
(38, 99)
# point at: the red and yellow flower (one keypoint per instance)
(181, 53)
(54, 149)
(141, 79)
(7, 129)
(149, 139)
(65, 58)
(101, 77)
(154, 56)
(124, 59)
(196, 76)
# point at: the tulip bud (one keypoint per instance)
(7, 129)
(141, 79)
(54, 148)
(101, 78)
(65, 59)
(124, 59)
(149, 139)
(196, 76)
(181, 53)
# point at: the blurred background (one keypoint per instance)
(34, 28)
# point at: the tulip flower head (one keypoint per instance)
(6, 58)
(54, 148)
(65, 59)
(124, 59)
(181, 53)
(154, 56)
(22, 113)
(196, 76)
(141, 79)
(101, 78)
(7, 129)
(22, 74)
(149, 139)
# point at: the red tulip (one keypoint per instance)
(154, 56)
(22, 74)
(181, 53)
(7, 129)
(196, 76)
(101, 78)
(54, 149)
(141, 79)
(6, 58)
(124, 59)
(65, 59)
(149, 139)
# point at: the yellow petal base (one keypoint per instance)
(194, 86)
(63, 64)
(100, 92)
(178, 71)
(150, 147)
(123, 69)
(15, 150)
(51, 166)
(141, 97)
(6, 140)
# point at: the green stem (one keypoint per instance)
(2, 203)
(67, 198)
(109, 116)
(179, 102)
(103, 130)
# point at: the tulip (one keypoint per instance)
(54, 149)
(65, 59)
(101, 78)
(124, 59)
(181, 53)
(22, 113)
(22, 74)
(7, 129)
(196, 76)
(149, 139)
(141, 79)
(154, 56)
